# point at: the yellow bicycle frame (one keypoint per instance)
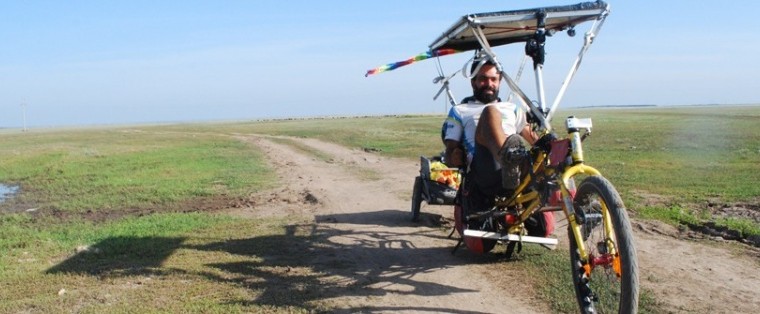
(530, 201)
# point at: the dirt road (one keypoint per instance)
(384, 263)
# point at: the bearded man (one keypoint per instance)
(480, 134)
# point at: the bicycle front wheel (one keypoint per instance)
(608, 282)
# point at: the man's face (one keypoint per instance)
(485, 84)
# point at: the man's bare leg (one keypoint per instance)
(490, 134)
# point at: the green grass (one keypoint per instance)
(551, 275)
(746, 227)
(676, 215)
(690, 154)
(116, 169)
(673, 215)
(20, 233)
(169, 263)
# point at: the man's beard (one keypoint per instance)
(482, 96)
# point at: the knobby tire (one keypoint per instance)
(605, 292)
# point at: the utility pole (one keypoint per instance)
(23, 113)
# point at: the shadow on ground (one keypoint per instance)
(120, 256)
(309, 263)
(305, 266)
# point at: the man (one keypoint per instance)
(482, 132)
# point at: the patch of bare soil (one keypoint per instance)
(359, 202)
(204, 204)
(738, 210)
(691, 272)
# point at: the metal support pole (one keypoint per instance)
(535, 49)
(587, 41)
(539, 70)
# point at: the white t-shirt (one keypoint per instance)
(462, 120)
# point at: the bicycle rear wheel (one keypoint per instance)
(416, 199)
(612, 286)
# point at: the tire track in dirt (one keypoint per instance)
(360, 205)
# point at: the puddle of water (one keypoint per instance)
(7, 191)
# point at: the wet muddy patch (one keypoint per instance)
(7, 191)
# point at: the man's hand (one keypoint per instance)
(454, 154)
(528, 134)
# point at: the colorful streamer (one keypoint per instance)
(419, 57)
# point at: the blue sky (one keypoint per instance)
(120, 62)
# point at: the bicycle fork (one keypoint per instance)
(576, 219)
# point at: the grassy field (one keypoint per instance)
(668, 163)
(114, 169)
